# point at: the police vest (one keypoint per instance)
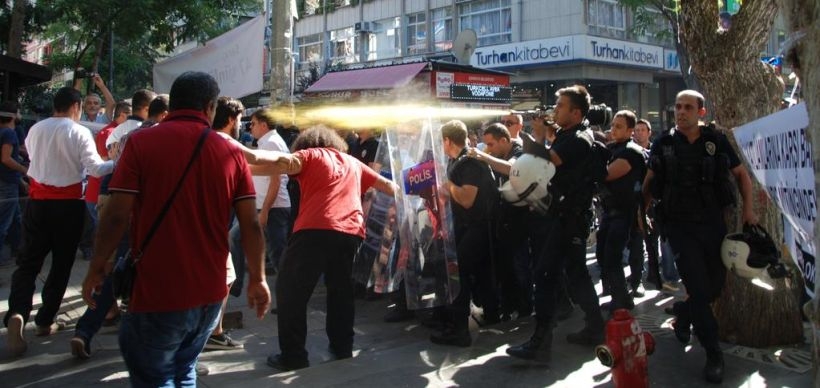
(691, 180)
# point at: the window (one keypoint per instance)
(384, 41)
(343, 45)
(416, 33)
(310, 49)
(491, 20)
(654, 28)
(442, 21)
(607, 14)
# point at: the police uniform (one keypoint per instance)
(692, 184)
(620, 207)
(565, 247)
(472, 228)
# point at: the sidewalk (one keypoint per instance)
(395, 354)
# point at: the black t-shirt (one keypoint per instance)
(623, 192)
(574, 149)
(468, 171)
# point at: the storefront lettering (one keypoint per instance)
(523, 54)
(624, 54)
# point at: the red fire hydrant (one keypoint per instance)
(626, 351)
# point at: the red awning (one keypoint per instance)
(387, 77)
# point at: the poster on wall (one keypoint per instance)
(781, 159)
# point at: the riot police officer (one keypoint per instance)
(620, 199)
(689, 174)
(565, 246)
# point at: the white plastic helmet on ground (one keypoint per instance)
(529, 177)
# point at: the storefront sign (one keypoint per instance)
(623, 53)
(670, 60)
(443, 82)
(524, 53)
(480, 92)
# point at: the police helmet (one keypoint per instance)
(752, 253)
(529, 177)
(510, 195)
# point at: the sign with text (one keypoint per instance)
(443, 82)
(780, 157)
(420, 177)
(480, 93)
(670, 60)
(524, 53)
(622, 52)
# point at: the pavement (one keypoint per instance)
(395, 354)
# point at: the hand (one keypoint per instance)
(91, 285)
(97, 80)
(259, 298)
(749, 217)
(263, 218)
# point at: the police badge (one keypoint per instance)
(710, 148)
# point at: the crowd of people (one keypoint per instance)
(205, 214)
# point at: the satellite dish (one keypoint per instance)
(464, 45)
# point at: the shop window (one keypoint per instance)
(491, 20)
(416, 33)
(310, 49)
(442, 21)
(384, 41)
(607, 17)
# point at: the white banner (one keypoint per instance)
(780, 157)
(234, 58)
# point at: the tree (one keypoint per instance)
(17, 23)
(803, 18)
(727, 66)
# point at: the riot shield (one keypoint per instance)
(426, 251)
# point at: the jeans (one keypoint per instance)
(238, 257)
(276, 234)
(87, 241)
(10, 220)
(89, 324)
(612, 237)
(669, 271)
(161, 349)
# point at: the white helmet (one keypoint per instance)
(529, 177)
(752, 254)
(510, 195)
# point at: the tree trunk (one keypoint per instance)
(18, 16)
(743, 89)
(804, 18)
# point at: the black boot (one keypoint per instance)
(682, 322)
(538, 347)
(713, 371)
(453, 336)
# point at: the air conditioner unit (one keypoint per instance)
(363, 26)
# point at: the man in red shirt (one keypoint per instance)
(180, 284)
(326, 235)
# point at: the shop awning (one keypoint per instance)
(387, 77)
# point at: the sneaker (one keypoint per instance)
(222, 342)
(80, 348)
(16, 344)
(45, 331)
(670, 286)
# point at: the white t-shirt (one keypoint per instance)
(61, 150)
(272, 141)
(121, 130)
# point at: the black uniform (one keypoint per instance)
(473, 231)
(565, 246)
(692, 185)
(620, 206)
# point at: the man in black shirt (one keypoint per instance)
(689, 174)
(620, 199)
(471, 187)
(565, 247)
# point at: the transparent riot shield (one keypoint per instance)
(427, 244)
(372, 265)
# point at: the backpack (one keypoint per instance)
(594, 171)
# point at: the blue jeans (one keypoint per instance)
(161, 349)
(87, 241)
(276, 234)
(89, 324)
(238, 258)
(669, 271)
(10, 218)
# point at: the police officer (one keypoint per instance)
(689, 175)
(565, 246)
(471, 187)
(620, 199)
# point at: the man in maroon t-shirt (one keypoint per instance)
(181, 274)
